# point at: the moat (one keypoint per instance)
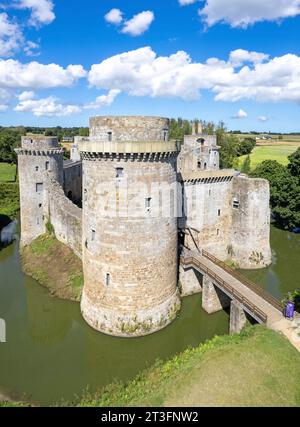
(52, 354)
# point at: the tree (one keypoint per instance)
(246, 146)
(284, 191)
(84, 132)
(9, 140)
(246, 167)
(294, 165)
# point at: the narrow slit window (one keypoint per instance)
(119, 172)
(93, 235)
(165, 135)
(148, 203)
(219, 212)
(199, 165)
(109, 136)
(218, 232)
(107, 279)
(47, 166)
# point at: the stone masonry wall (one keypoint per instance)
(250, 239)
(73, 181)
(65, 217)
(33, 170)
(208, 209)
(130, 250)
(129, 128)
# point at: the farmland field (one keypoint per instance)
(270, 152)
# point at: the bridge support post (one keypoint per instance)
(237, 317)
(190, 281)
(213, 298)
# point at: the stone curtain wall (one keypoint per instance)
(73, 181)
(208, 210)
(65, 217)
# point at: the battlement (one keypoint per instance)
(32, 141)
(208, 176)
(135, 149)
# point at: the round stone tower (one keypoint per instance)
(129, 227)
(38, 157)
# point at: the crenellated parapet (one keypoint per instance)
(38, 152)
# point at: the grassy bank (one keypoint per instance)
(54, 266)
(7, 172)
(270, 152)
(256, 368)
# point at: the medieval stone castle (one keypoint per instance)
(127, 202)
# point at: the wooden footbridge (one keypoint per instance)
(255, 301)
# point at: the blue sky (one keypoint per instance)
(238, 61)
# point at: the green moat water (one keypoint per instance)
(52, 354)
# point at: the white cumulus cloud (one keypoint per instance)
(103, 100)
(241, 114)
(34, 75)
(11, 37)
(242, 13)
(239, 56)
(114, 16)
(139, 24)
(186, 2)
(48, 107)
(41, 10)
(245, 75)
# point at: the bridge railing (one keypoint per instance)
(195, 262)
(251, 285)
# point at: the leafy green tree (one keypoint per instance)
(246, 146)
(246, 166)
(9, 140)
(294, 165)
(84, 132)
(284, 191)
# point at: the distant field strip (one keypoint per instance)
(7, 172)
(272, 152)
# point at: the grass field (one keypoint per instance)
(270, 152)
(256, 368)
(7, 172)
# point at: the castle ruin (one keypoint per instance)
(127, 202)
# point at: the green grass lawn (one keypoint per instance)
(256, 368)
(7, 172)
(278, 152)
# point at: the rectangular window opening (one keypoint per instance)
(47, 166)
(93, 235)
(109, 136)
(39, 187)
(36, 168)
(219, 212)
(119, 172)
(107, 279)
(236, 204)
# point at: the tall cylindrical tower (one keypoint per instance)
(38, 157)
(129, 226)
